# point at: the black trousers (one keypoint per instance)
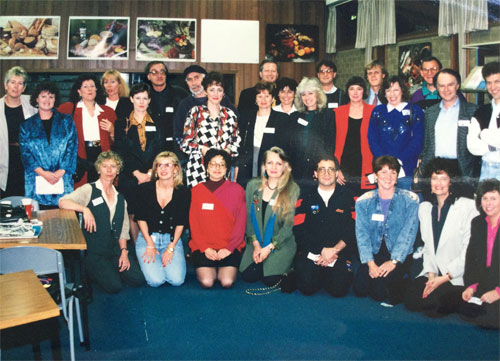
(443, 300)
(255, 273)
(311, 278)
(486, 316)
(104, 271)
(391, 288)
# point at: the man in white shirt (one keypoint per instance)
(484, 131)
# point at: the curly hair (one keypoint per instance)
(309, 84)
(45, 87)
(74, 96)
(485, 186)
(109, 155)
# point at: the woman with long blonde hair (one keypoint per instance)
(270, 201)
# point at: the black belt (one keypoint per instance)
(93, 143)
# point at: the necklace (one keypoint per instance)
(267, 184)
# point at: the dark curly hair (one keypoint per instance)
(212, 152)
(485, 186)
(45, 87)
(74, 97)
(405, 97)
(212, 78)
(442, 166)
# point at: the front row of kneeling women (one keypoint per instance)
(254, 230)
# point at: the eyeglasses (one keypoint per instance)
(328, 170)
(217, 165)
(158, 72)
(325, 71)
(165, 165)
(430, 70)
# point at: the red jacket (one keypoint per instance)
(342, 120)
(106, 141)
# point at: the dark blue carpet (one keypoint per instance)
(186, 323)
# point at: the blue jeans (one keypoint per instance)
(490, 170)
(154, 272)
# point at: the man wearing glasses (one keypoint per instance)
(326, 72)
(164, 100)
(428, 94)
(324, 232)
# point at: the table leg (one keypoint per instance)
(86, 293)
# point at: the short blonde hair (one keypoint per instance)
(16, 71)
(175, 161)
(309, 84)
(123, 89)
(106, 156)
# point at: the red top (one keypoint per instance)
(217, 220)
(342, 123)
(106, 141)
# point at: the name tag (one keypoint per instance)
(377, 217)
(463, 123)
(207, 206)
(97, 201)
(269, 130)
(150, 128)
(302, 122)
(272, 202)
(333, 105)
(169, 109)
(406, 112)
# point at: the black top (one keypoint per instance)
(336, 99)
(15, 117)
(437, 225)
(318, 226)
(47, 126)
(163, 220)
(351, 156)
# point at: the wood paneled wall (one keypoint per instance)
(304, 12)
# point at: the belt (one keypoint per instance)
(93, 143)
(14, 144)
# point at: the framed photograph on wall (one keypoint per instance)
(409, 62)
(292, 43)
(166, 39)
(29, 37)
(98, 37)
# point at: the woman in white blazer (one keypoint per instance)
(445, 221)
(14, 109)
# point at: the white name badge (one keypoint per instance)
(406, 112)
(150, 128)
(333, 105)
(377, 217)
(97, 201)
(463, 123)
(302, 122)
(169, 109)
(269, 130)
(272, 202)
(207, 206)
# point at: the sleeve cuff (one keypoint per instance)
(498, 290)
(473, 286)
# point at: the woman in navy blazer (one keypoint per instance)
(49, 145)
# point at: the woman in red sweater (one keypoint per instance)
(351, 144)
(217, 219)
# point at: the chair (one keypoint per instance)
(16, 201)
(44, 261)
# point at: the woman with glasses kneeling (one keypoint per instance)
(270, 202)
(217, 220)
(162, 216)
(105, 227)
(445, 220)
(386, 226)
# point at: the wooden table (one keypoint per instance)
(61, 230)
(23, 299)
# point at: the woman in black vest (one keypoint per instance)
(106, 227)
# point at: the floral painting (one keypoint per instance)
(98, 37)
(409, 62)
(28, 37)
(292, 43)
(166, 39)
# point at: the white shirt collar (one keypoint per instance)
(495, 107)
(332, 90)
(399, 108)
(98, 185)
(98, 108)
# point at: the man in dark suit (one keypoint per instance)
(269, 71)
(447, 124)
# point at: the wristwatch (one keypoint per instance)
(124, 249)
(394, 261)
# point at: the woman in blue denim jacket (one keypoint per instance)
(386, 227)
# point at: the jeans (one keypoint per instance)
(154, 272)
(490, 170)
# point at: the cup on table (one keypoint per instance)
(26, 202)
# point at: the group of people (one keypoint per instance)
(302, 185)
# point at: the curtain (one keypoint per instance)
(331, 30)
(376, 25)
(462, 16)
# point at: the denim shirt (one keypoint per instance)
(399, 228)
